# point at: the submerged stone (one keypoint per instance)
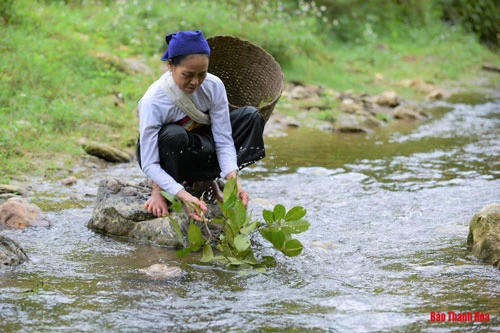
(162, 271)
(11, 253)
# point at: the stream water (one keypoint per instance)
(386, 250)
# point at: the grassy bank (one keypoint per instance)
(62, 75)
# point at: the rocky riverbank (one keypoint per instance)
(348, 112)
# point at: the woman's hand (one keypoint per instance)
(243, 195)
(157, 204)
(196, 208)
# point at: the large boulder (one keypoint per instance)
(484, 234)
(11, 253)
(18, 213)
(119, 211)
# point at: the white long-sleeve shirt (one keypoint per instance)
(156, 110)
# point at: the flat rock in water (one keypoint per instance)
(162, 271)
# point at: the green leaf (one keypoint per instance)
(277, 238)
(196, 240)
(218, 220)
(248, 229)
(296, 226)
(250, 258)
(221, 259)
(292, 248)
(208, 253)
(279, 212)
(230, 196)
(240, 213)
(230, 189)
(295, 213)
(234, 261)
(231, 227)
(168, 196)
(268, 216)
(177, 229)
(184, 252)
(241, 242)
(269, 261)
(237, 217)
(228, 204)
(175, 204)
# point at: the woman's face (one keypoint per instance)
(190, 73)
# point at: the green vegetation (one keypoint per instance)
(64, 72)
(234, 246)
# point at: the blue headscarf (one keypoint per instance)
(185, 42)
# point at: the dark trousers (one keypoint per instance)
(191, 156)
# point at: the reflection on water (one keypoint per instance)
(389, 215)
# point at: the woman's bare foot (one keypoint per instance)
(217, 191)
(157, 204)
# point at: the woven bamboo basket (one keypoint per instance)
(251, 75)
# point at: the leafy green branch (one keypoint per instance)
(233, 246)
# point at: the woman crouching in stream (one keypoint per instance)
(187, 133)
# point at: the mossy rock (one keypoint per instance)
(484, 234)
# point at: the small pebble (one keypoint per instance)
(69, 181)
